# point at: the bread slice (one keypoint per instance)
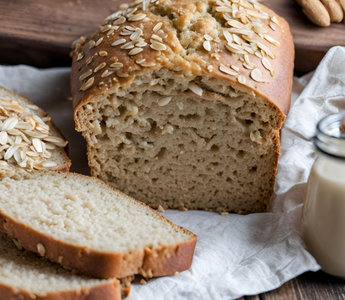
(181, 103)
(29, 139)
(82, 223)
(24, 276)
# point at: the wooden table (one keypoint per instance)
(39, 33)
(309, 286)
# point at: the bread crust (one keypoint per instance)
(67, 162)
(149, 262)
(276, 92)
(105, 291)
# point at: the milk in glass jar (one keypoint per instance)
(323, 220)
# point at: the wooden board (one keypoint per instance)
(40, 32)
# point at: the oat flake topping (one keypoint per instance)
(246, 33)
(25, 139)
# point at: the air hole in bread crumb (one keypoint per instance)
(161, 153)
(214, 148)
(122, 110)
(240, 154)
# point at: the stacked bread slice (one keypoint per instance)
(77, 222)
(24, 276)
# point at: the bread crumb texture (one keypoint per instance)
(175, 102)
(85, 213)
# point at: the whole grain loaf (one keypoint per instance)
(181, 102)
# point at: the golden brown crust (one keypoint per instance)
(162, 261)
(106, 291)
(67, 162)
(276, 91)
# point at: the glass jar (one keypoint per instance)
(323, 220)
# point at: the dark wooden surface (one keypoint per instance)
(313, 286)
(40, 32)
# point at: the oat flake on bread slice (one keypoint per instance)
(28, 138)
(23, 276)
(80, 222)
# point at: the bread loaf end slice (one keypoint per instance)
(82, 223)
(29, 140)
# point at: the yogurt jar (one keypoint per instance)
(323, 219)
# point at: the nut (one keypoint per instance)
(334, 9)
(316, 12)
(342, 4)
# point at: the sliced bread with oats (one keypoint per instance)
(25, 276)
(82, 223)
(28, 138)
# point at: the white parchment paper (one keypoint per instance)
(235, 255)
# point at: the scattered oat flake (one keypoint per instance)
(227, 70)
(241, 79)
(102, 53)
(118, 42)
(207, 46)
(235, 68)
(195, 88)
(228, 36)
(119, 21)
(266, 50)
(164, 101)
(157, 27)
(275, 20)
(99, 41)
(143, 281)
(208, 37)
(116, 65)
(85, 75)
(41, 249)
(87, 84)
(49, 164)
(257, 75)
(92, 44)
(160, 208)
(136, 17)
(99, 67)
(80, 56)
(135, 51)
(155, 45)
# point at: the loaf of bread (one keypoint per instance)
(28, 138)
(181, 102)
(24, 276)
(82, 223)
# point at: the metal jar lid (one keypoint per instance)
(330, 135)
